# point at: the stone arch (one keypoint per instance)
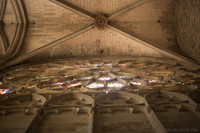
(70, 112)
(19, 111)
(121, 111)
(175, 107)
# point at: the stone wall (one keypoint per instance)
(188, 27)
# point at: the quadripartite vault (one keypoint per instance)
(99, 66)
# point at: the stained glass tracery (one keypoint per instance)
(127, 75)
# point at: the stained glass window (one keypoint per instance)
(74, 84)
(95, 85)
(104, 78)
(115, 84)
(97, 65)
(59, 83)
(4, 91)
(108, 64)
(125, 77)
(86, 78)
(137, 83)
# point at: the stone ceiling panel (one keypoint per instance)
(106, 7)
(109, 7)
(62, 28)
(99, 43)
(49, 22)
(91, 6)
(152, 21)
(47, 12)
(9, 17)
(38, 36)
(10, 22)
(10, 30)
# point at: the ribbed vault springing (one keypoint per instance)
(110, 24)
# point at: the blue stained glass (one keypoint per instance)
(4, 91)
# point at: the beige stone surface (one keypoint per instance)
(10, 30)
(51, 97)
(152, 21)
(10, 22)
(9, 16)
(188, 27)
(49, 22)
(101, 43)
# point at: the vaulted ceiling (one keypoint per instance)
(49, 29)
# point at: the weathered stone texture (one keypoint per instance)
(47, 12)
(10, 32)
(106, 7)
(100, 43)
(188, 27)
(40, 35)
(49, 22)
(152, 21)
(9, 17)
(10, 22)
(52, 22)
